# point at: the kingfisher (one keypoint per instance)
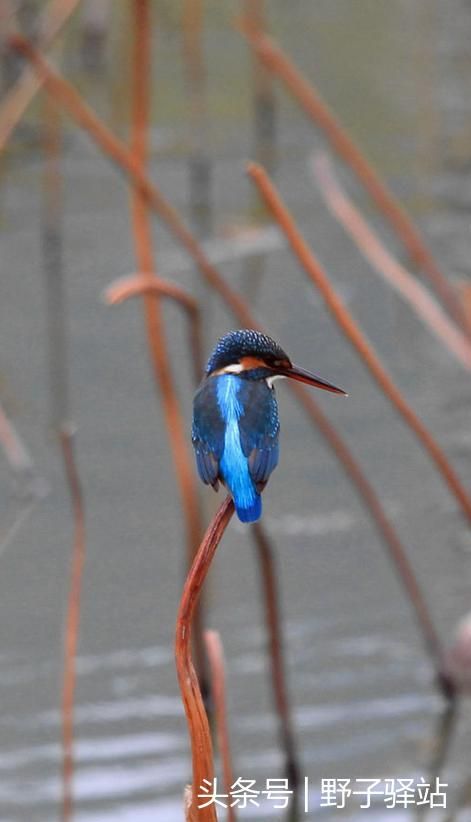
(236, 427)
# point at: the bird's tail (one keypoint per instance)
(251, 513)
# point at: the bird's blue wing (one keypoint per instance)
(207, 433)
(259, 430)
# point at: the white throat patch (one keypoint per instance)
(234, 368)
(271, 380)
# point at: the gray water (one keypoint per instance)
(361, 685)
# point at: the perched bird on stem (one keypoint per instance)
(235, 416)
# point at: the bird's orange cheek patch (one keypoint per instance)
(248, 363)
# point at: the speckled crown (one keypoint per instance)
(243, 343)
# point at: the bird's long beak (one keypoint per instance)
(299, 374)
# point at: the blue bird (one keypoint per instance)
(235, 416)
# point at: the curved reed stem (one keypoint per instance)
(369, 243)
(396, 550)
(67, 97)
(315, 107)
(159, 355)
(18, 98)
(139, 284)
(58, 376)
(201, 747)
(355, 336)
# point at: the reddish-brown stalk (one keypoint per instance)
(201, 747)
(396, 550)
(315, 107)
(136, 285)
(18, 98)
(159, 355)
(354, 335)
(215, 653)
(57, 333)
(64, 95)
(273, 620)
(192, 17)
(131, 286)
(412, 291)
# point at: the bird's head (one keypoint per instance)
(253, 355)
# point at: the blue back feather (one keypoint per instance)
(234, 465)
(235, 437)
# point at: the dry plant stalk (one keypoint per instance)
(354, 335)
(215, 653)
(57, 332)
(413, 292)
(315, 107)
(273, 620)
(18, 98)
(396, 550)
(201, 747)
(128, 287)
(137, 285)
(160, 358)
(64, 95)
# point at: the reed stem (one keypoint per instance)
(198, 726)
(315, 107)
(355, 335)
